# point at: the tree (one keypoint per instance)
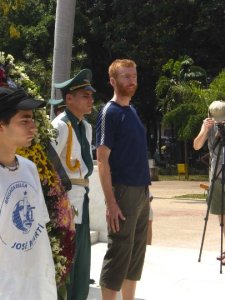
(150, 32)
(216, 89)
(34, 47)
(64, 27)
(179, 91)
(8, 6)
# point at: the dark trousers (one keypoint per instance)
(78, 288)
(80, 274)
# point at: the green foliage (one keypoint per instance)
(180, 95)
(7, 6)
(184, 99)
(191, 196)
(183, 117)
(16, 75)
(216, 90)
(33, 48)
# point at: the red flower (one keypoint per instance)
(3, 81)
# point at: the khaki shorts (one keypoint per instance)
(216, 200)
(124, 258)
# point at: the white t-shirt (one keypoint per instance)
(26, 264)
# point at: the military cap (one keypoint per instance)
(17, 99)
(81, 81)
(56, 102)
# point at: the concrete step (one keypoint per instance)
(94, 236)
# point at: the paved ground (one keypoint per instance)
(170, 273)
(180, 222)
(171, 266)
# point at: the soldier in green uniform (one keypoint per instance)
(73, 146)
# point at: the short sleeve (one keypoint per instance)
(61, 140)
(107, 124)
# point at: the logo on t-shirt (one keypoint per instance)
(23, 214)
(20, 222)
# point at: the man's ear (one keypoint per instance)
(68, 98)
(1, 125)
(112, 81)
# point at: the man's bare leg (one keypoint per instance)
(108, 294)
(223, 253)
(149, 234)
(128, 289)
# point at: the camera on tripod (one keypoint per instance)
(221, 128)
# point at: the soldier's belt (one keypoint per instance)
(80, 181)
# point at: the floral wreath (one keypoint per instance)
(61, 228)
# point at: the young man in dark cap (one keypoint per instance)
(73, 146)
(26, 265)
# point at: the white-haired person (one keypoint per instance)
(211, 132)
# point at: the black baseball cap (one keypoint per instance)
(18, 99)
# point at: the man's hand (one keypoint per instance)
(208, 123)
(150, 197)
(113, 214)
(201, 138)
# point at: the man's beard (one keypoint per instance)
(126, 91)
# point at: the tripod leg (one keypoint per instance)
(222, 207)
(221, 244)
(210, 197)
(222, 222)
(206, 218)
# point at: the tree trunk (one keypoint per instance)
(186, 159)
(62, 54)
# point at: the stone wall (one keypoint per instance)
(97, 207)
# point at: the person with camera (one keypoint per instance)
(212, 131)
